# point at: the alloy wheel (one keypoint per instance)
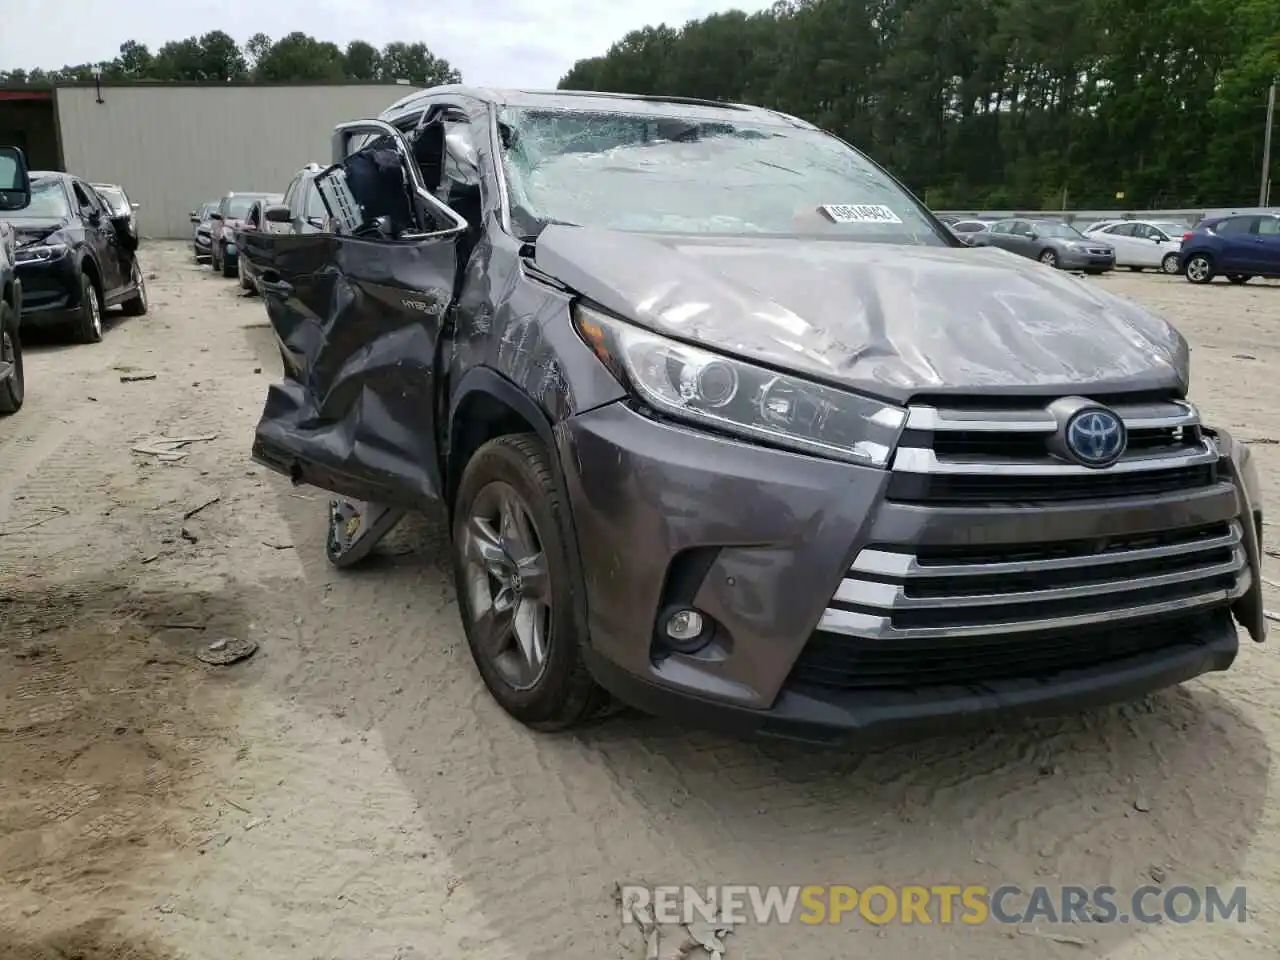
(1049, 258)
(508, 585)
(1170, 264)
(1198, 270)
(95, 310)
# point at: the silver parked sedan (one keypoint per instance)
(1052, 242)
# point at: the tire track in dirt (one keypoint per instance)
(106, 725)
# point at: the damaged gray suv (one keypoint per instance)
(729, 426)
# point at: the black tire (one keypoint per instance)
(1239, 278)
(1199, 268)
(228, 271)
(1049, 257)
(88, 325)
(564, 693)
(136, 306)
(246, 282)
(13, 387)
(1170, 264)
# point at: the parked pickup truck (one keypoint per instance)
(15, 194)
(730, 426)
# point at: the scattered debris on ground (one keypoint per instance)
(169, 448)
(228, 650)
(57, 512)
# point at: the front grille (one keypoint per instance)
(1100, 252)
(850, 663)
(891, 595)
(954, 455)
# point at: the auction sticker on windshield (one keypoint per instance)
(859, 213)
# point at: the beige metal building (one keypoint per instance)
(173, 146)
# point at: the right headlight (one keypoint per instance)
(39, 252)
(740, 398)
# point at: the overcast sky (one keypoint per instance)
(493, 42)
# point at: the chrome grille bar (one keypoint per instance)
(1136, 416)
(893, 596)
(886, 563)
(922, 460)
(873, 627)
(1199, 562)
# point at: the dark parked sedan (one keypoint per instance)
(73, 258)
(254, 221)
(727, 424)
(1052, 242)
(202, 231)
(227, 219)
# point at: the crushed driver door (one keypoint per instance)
(358, 311)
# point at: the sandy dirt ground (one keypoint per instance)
(352, 792)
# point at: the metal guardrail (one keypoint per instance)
(1189, 216)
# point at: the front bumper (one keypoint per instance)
(202, 244)
(806, 567)
(50, 290)
(1083, 260)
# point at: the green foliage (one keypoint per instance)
(296, 58)
(994, 103)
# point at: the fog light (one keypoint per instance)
(684, 625)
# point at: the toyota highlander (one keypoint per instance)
(730, 426)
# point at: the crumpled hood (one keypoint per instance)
(891, 321)
(29, 230)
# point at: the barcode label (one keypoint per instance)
(859, 213)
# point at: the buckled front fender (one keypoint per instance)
(1248, 610)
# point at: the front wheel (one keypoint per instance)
(88, 325)
(227, 269)
(1199, 269)
(1170, 264)
(12, 385)
(514, 582)
(1049, 258)
(245, 282)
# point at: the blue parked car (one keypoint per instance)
(1239, 247)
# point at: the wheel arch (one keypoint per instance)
(486, 405)
(89, 267)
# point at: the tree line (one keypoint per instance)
(295, 58)
(995, 103)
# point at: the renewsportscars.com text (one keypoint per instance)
(940, 904)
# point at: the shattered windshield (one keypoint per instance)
(684, 175)
(48, 199)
